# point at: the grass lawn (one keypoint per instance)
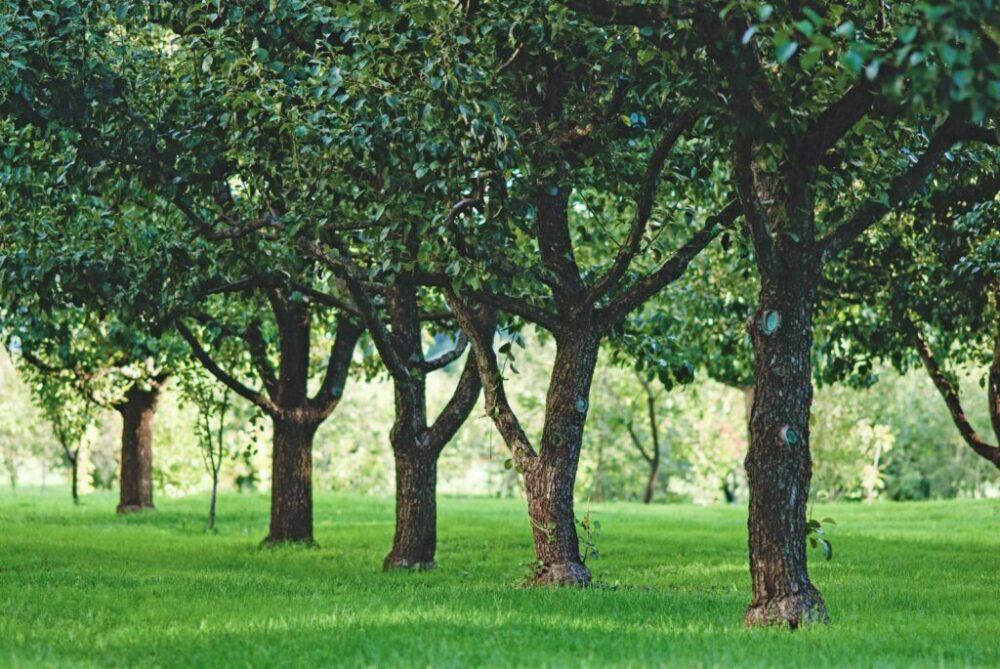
(909, 585)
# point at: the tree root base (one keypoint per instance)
(794, 610)
(276, 542)
(571, 574)
(396, 563)
(123, 509)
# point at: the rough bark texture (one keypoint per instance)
(549, 478)
(294, 427)
(416, 444)
(778, 462)
(138, 411)
(415, 540)
(291, 482)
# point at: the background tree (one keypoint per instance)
(931, 285)
(593, 124)
(70, 416)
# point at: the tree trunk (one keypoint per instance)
(415, 540)
(212, 502)
(291, 482)
(550, 478)
(137, 411)
(778, 462)
(747, 408)
(75, 474)
(654, 470)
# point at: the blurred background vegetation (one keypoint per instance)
(891, 441)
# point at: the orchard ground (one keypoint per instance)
(910, 584)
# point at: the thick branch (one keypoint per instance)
(837, 120)
(902, 187)
(950, 394)
(644, 208)
(466, 393)
(258, 355)
(670, 270)
(236, 386)
(448, 357)
(332, 387)
(326, 299)
(507, 303)
(497, 406)
(347, 270)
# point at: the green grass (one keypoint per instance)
(910, 585)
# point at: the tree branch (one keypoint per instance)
(257, 346)
(466, 392)
(644, 207)
(236, 386)
(347, 270)
(337, 367)
(507, 303)
(838, 119)
(447, 358)
(951, 398)
(670, 270)
(497, 405)
(902, 187)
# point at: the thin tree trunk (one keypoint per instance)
(138, 412)
(778, 461)
(415, 540)
(291, 483)
(550, 479)
(654, 470)
(74, 464)
(211, 504)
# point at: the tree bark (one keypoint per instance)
(138, 412)
(415, 540)
(549, 479)
(778, 462)
(74, 464)
(654, 471)
(950, 393)
(212, 502)
(291, 482)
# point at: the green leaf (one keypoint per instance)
(786, 51)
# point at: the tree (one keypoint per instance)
(69, 414)
(593, 128)
(210, 430)
(174, 175)
(811, 95)
(931, 294)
